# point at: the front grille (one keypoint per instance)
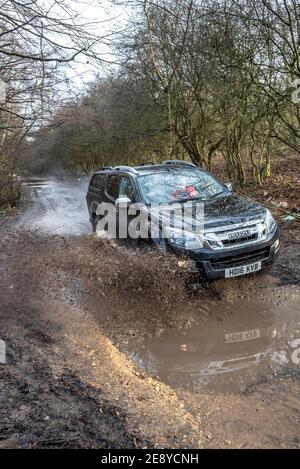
(235, 235)
(239, 259)
(232, 242)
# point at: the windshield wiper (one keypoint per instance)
(188, 199)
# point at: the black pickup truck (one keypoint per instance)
(237, 236)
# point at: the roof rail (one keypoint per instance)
(146, 163)
(126, 168)
(179, 162)
(104, 168)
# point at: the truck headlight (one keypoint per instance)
(183, 238)
(270, 222)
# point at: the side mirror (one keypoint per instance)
(122, 202)
(228, 186)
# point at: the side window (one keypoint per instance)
(98, 182)
(126, 188)
(113, 186)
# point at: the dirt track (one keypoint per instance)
(78, 315)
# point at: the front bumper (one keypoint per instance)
(214, 263)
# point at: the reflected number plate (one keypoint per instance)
(242, 336)
(243, 269)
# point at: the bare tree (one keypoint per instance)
(38, 40)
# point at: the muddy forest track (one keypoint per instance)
(82, 320)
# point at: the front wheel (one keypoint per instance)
(95, 220)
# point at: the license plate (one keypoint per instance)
(243, 269)
(239, 234)
(242, 336)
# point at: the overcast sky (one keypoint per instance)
(109, 18)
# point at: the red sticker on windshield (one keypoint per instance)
(191, 191)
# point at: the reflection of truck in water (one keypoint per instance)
(229, 341)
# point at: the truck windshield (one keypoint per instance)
(178, 186)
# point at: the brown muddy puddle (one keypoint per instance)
(236, 346)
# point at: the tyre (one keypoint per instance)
(95, 220)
